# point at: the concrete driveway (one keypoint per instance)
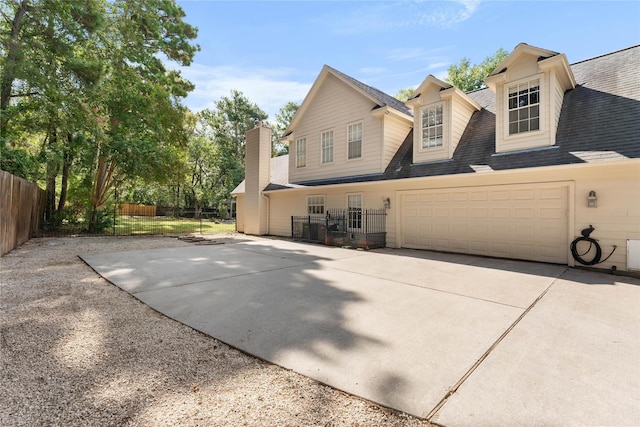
(456, 339)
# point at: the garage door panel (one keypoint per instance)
(524, 213)
(500, 195)
(551, 213)
(500, 213)
(502, 221)
(524, 194)
(552, 193)
(479, 196)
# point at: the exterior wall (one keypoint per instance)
(456, 116)
(395, 132)
(240, 213)
(616, 218)
(460, 116)
(428, 97)
(527, 68)
(257, 175)
(325, 113)
(557, 98)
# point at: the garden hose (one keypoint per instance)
(592, 243)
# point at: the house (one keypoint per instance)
(514, 170)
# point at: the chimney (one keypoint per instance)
(257, 174)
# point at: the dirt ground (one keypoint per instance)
(77, 350)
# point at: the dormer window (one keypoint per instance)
(432, 126)
(524, 107)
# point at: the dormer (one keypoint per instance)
(529, 85)
(440, 115)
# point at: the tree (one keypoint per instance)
(87, 79)
(404, 94)
(38, 38)
(283, 119)
(137, 115)
(469, 77)
(216, 152)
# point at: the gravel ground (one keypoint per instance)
(76, 350)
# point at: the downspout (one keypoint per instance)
(268, 212)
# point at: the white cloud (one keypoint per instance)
(391, 16)
(270, 89)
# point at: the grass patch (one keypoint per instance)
(160, 225)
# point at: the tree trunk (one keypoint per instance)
(10, 63)
(66, 167)
(102, 182)
(52, 173)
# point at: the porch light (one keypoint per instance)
(592, 200)
(387, 203)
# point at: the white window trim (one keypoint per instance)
(444, 127)
(333, 145)
(305, 152)
(324, 204)
(542, 102)
(355, 159)
(349, 227)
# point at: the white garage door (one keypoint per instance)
(509, 221)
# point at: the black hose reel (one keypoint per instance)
(593, 244)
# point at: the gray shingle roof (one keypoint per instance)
(599, 121)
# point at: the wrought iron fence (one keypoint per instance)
(343, 227)
(129, 222)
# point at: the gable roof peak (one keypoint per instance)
(377, 96)
(520, 49)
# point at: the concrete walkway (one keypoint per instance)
(457, 339)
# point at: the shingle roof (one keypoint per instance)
(279, 175)
(382, 98)
(599, 121)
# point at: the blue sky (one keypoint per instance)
(272, 51)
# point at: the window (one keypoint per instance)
(354, 141)
(326, 141)
(354, 212)
(301, 152)
(315, 205)
(524, 107)
(432, 126)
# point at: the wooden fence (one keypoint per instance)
(136, 210)
(22, 206)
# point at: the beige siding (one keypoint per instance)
(616, 219)
(395, 132)
(257, 175)
(334, 107)
(460, 116)
(240, 213)
(558, 96)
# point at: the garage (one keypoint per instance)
(527, 222)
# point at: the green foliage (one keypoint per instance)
(19, 162)
(469, 77)
(216, 149)
(404, 94)
(283, 119)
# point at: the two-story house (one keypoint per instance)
(515, 170)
